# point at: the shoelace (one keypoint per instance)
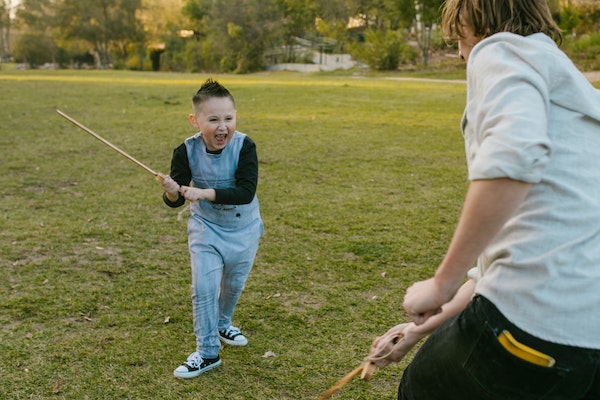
(232, 331)
(194, 362)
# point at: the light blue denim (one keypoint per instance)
(221, 260)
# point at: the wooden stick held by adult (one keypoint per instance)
(341, 383)
(367, 367)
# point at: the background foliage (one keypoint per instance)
(244, 35)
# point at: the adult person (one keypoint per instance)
(530, 220)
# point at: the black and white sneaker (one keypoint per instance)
(233, 336)
(195, 365)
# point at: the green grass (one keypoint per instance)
(361, 182)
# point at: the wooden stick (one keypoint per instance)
(106, 142)
(367, 367)
(341, 383)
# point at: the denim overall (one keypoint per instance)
(223, 241)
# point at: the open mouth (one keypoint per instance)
(220, 137)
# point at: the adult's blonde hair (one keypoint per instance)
(486, 17)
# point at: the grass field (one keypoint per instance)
(361, 182)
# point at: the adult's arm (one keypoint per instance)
(385, 349)
(489, 204)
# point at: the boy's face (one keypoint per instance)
(215, 118)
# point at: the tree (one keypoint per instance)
(35, 49)
(105, 24)
(383, 50)
(234, 35)
(36, 15)
(204, 53)
(298, 19)
(159, 16)
(426, 16)
(239, 30)
(161, 20)
(378, 14)
(5, 25)
(35, 20)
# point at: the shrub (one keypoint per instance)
(584, 50)
(383, 50)
(34, 49)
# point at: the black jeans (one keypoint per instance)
(464, 360)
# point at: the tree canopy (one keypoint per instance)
(233, 35)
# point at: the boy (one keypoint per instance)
(217, 171)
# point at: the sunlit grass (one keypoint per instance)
(361, 181)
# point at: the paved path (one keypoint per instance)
(593, 76)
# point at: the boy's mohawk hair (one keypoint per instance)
(210, 88)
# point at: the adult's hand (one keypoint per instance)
(393, 345)
(424, 299)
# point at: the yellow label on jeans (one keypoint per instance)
(524, 352)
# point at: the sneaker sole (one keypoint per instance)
(193, 374)
(233, 342)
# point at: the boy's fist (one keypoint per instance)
(168, 184)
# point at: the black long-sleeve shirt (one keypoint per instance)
(246, 176)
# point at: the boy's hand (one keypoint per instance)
(191, 193)
(169, 185)
(197, 194)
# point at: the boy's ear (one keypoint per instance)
(193, 121)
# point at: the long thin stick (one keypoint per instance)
(341, 383)
(106, 142)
